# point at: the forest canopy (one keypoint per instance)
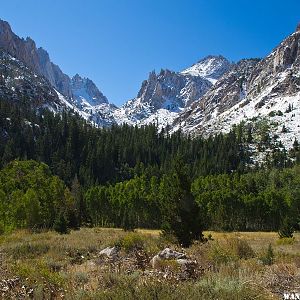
(58, 171)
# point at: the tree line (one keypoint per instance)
(72, 147)
(60, 172)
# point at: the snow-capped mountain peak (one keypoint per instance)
(210, 67)
(161, 97)
(254, 92)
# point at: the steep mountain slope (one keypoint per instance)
(252, 92)
(18, 82)
(37, 59)
(162, 96)
(78, 94)
(229, 90)
(85, 89)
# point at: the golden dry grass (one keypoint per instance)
(69, 266)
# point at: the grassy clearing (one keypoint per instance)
(230, 266)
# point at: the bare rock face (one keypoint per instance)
(54, 74)
(79, 94)
(168, 92)
(298, 27)
(165, 94)
(210, 67)
(164, 90)
(22, 49)
(249, 90)
(278, 71)
(37, 59)
(17, 82)
(84, 88)
(230, 89)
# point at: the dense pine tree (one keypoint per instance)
(132, 177)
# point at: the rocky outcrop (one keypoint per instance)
(252, 90)
(18, 82)
(110, 252)
(186, 265)
(53, 73)
(168, 254)
(38, 60)
(84, 89)
(230, 89)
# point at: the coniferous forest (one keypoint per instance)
(57, 171)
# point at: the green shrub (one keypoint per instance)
(268, 258)
(28, 250)
(38, 273)
(2, 228)
(231, 250)
(241, 248)
(286, 241)
(286, 229)
(55, 266)
(279, 113)
(81, 278)
(272, 113)
(209, 237)
(132, 241)
(221, 255)
(60, 223)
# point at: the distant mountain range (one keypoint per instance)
(209, 97)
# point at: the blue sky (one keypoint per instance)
(117, 43)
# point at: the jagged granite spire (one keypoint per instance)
(37, 59)
(85, 89)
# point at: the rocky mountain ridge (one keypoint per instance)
(18, 82)
(164, 95)
(77, 90)
(161, 97)
(207, 98)
(266, 91)
(35, 58)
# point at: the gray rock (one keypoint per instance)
(171, 254)
(155, 262)
(110, 252)
(183, 261)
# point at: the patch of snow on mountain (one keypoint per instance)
(283, 113)
(162, 118)
(85, 91)
(99, 115)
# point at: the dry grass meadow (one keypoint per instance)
(229, 266)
